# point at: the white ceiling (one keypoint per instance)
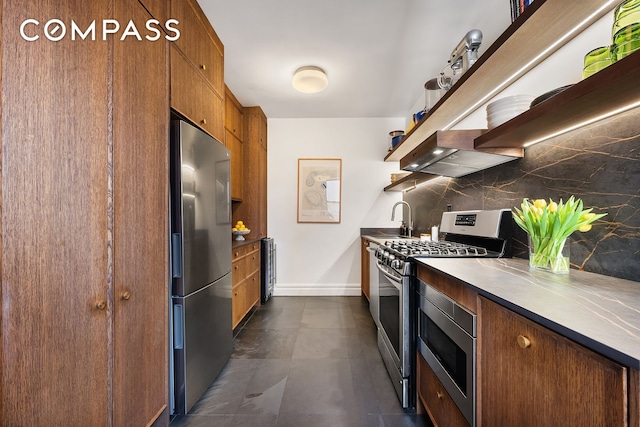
(377, 53)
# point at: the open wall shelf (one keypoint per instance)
(542, 29)
(610, 91)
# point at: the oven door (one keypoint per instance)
(448, 348)
(395, 331)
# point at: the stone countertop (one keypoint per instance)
(600, 312)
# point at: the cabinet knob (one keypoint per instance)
(125, 296)
(203, 121)
(523, 341)
(101, 305)
(439, 394)
(236, 254)
(235, 267)
(203, 67)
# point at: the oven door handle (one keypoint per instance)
(397, 282)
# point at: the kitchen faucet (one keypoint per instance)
(393, 214)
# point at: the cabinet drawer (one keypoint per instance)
(195, 99)
(238, 304)
(440, 407)
(245, 266)
(240, 251)
(253, 289)
(244, 296)
(199, 42)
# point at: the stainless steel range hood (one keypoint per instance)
(451, 153)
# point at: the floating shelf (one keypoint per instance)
(542, 29)
(410, 181)
(612, 90)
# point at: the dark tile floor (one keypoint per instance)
(304, 361)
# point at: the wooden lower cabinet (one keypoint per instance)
(433, 396)
(245, 276)
(531, 376)
(364, 264)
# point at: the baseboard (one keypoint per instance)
(315, 289)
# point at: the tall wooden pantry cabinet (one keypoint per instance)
(83, 216)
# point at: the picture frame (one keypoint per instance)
(319, 190)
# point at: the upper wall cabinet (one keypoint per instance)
(199, 42)
(197, 69)
(159, 9)
(505, 61)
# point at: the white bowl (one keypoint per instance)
(240, 233)
(511, 100)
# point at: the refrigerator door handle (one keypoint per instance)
(178, 327)
(176, 255)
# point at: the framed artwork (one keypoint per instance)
(319, 190)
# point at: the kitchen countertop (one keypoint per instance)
(600, 312)
(237, 243)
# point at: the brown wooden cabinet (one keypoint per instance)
(533, 376)
(253, 208)
(199, 42)
(233, 123)
(245, 276)
(197, 70)
(84, 220)
(159, 9)
(364, 265)
(140, 218)
(433, 396)
(192, 97)
(234, 117)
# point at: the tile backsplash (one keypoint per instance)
(599, 163)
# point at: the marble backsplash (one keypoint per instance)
(599, 163)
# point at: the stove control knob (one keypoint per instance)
(397, 264)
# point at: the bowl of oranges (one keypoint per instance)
(239, 230)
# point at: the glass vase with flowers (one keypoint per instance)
(549, 225)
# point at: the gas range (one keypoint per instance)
(468, 234)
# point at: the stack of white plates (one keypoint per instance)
(505, 109)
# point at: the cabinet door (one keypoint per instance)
(235, 146)
(199, 42)
(54, 242)
(233, 119)
(140, 180)
(159, 9)
(253, 209)
(552, 381)
(194, 98)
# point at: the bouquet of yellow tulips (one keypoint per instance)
(549, 224)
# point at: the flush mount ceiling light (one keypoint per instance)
(309, 79)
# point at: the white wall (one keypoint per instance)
(324, 259)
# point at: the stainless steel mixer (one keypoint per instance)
(462, 58)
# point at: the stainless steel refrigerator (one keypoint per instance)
(201, 335)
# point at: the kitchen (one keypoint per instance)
(325, 259)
